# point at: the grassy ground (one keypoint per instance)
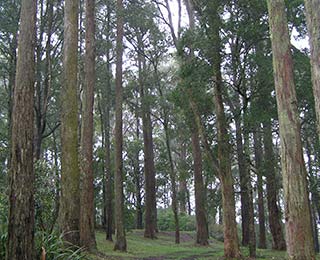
(164, 248)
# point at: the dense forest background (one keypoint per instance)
(159, 115)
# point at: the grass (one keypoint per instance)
(164, 248)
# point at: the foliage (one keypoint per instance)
(166, 221)
(56, 249)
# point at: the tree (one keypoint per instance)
(143, 28)
(121, 243)
(231, 243)
(278, 242)
(69, 215)
(258, 165)
(297, 206)
(87, 235)
(43, 76)
(149, 169)
(20, 244)
(312, 11)
(202, 230)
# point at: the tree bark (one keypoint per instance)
(278, 242)
(69, 215)
(108, 172)
(121, 243)
(231, 242)
(11, 84)
(87, 219)
(183, 179)
(106, 96)
(297, 207)
(149, 169)
(139, 211)
(252, 232)
(20, 243)
(312, 11)
(314, 197)
(262, 243)
(202, 231)
(243, 174)
(173, 183)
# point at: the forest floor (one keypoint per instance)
(163, 248)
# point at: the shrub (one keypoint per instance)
(166, 221)
(56, 249)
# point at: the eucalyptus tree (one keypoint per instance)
(142, 31)
(9, 13)
(87, 233)
(120, 243)
(297, 206)
(190, 63)
(69, 214)
(20, 243)
(312, 12)
(105, 84)
(211, 21)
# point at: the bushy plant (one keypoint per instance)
(56, 249)
(166, 221)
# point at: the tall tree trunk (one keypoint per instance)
(314, 197)
(244, 192)
(252, 232)
(38, 107)
(20, 243)
(183, 179)
(315, 229)
(262, 243)
(108, 173)
(121, 243)
(278, 242)
(149, 170)
(312, 11)
(87, 235)
(11, 85)
(231, 242)
(106, 94)
(172, 171)
(297, 207)
(150, 196)
(56, 181)
(139, 211)
(173, 182)
(69, 215)
(202, 231)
